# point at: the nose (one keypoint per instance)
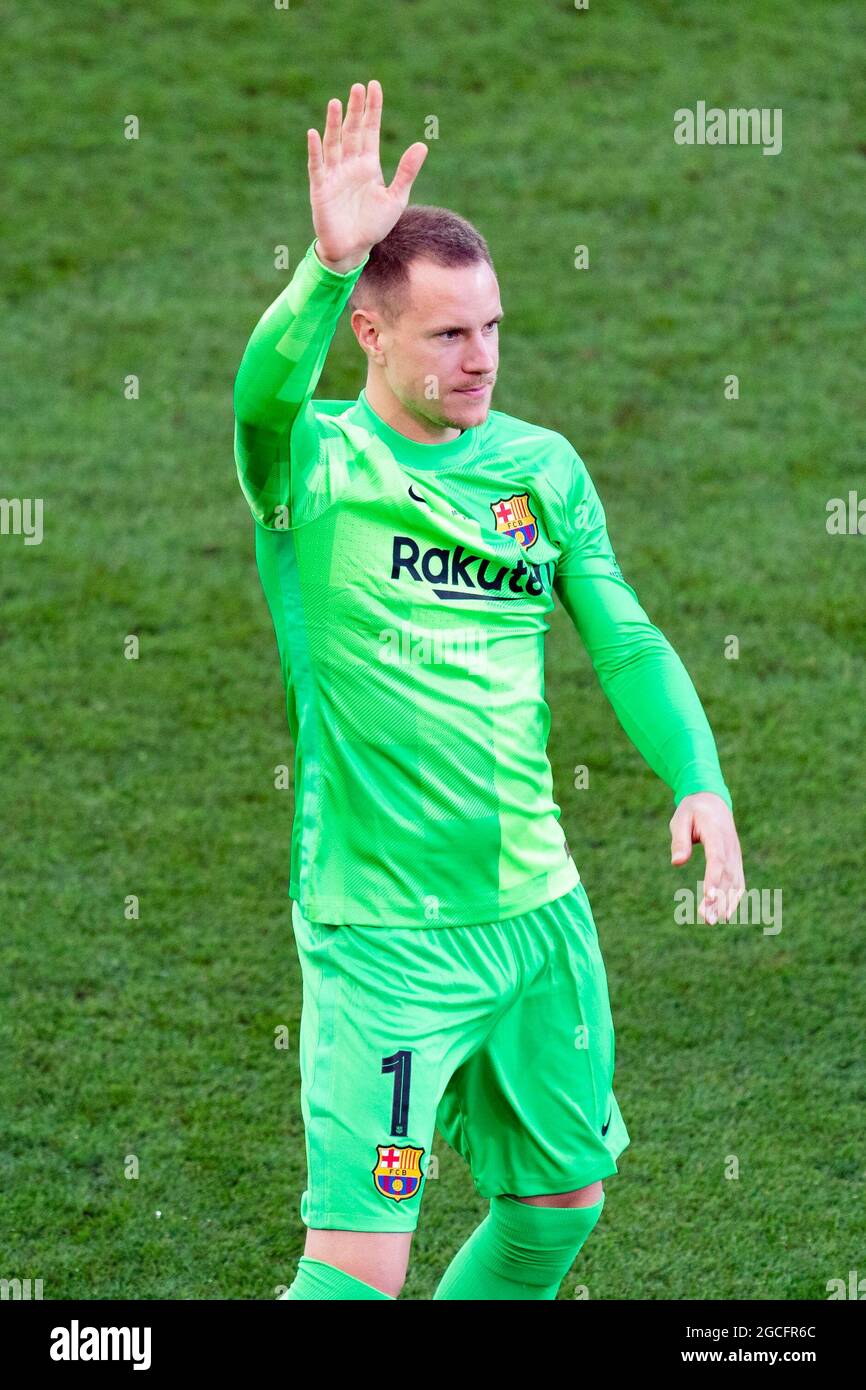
(479, 357)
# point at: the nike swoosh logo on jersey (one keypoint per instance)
(416, 497)
(606, 1126)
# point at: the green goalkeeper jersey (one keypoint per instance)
(410, 587)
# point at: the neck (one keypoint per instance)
(402, 419)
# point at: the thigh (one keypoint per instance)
(533, 1110)
(388, 1014)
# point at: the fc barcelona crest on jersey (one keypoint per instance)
(397, 1173)
(513, 517)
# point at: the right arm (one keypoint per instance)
(275, 424)
(276, 430)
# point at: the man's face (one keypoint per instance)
(441, 356)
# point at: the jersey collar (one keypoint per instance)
(409, 451)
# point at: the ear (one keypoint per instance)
(370, 330)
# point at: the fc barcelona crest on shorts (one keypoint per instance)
(398, 1171)
(513, 517)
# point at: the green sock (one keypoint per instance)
(520, 1251)
(316, 1280)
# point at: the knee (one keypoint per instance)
(538, 1242)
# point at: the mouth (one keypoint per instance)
(473, 390)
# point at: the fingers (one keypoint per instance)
(681, 836)
(315, 160)
(359, 133)
(372, 118)
(407, 170)
(331, 142)
(712, 903)
(722, 893)
(724, 883)
(353, 135)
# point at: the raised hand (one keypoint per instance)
(352, 207)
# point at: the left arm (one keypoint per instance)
(652, 696)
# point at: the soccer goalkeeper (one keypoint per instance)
(409, 544)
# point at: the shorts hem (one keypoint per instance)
(537, 1189)
(344, 1221)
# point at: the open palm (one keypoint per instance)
(351, 204)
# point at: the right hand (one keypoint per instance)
(352, 208)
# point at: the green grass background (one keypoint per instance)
(155, 1037)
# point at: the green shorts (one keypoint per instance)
(499, 1035)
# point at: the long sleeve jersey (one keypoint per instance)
(410, 587)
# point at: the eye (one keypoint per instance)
(448, 332)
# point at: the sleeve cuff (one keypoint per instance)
(704, 785)
(325, 271)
